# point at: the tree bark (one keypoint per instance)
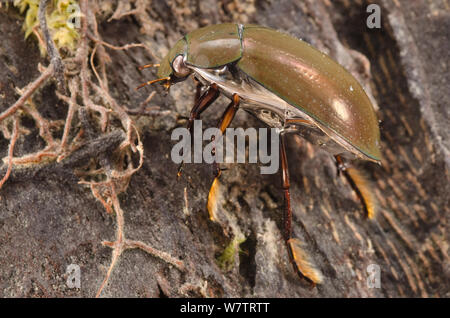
(48, 220)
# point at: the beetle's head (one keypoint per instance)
(176, 70)
(172, 68)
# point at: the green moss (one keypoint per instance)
(59, 15)
(227, 259)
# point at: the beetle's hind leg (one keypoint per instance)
(299, 259)
(360, 183)
(202, 102)
(224, 122)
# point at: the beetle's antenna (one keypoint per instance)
(153, 81)
(147, 66)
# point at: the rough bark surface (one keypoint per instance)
(48, 220)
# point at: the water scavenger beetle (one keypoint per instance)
(287, 84)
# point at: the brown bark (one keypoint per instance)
(48, 220)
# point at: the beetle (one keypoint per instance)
(287, 84)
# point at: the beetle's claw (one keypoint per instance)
(180, 171)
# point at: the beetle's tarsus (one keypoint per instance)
(362, 187)
(211, 204)
(361, 184)
(302, 263)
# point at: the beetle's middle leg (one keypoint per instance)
(360, 184)
(224, 122)
(297, 256)
(201, 104)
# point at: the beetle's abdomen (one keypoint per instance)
(213, 46)
(308, 79)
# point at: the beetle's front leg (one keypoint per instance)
(201, 104)
(299, 259)
(198, 89)
(360, 184)
(224, 122)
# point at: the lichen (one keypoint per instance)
(227, 259)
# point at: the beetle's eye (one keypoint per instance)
(179, 67)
